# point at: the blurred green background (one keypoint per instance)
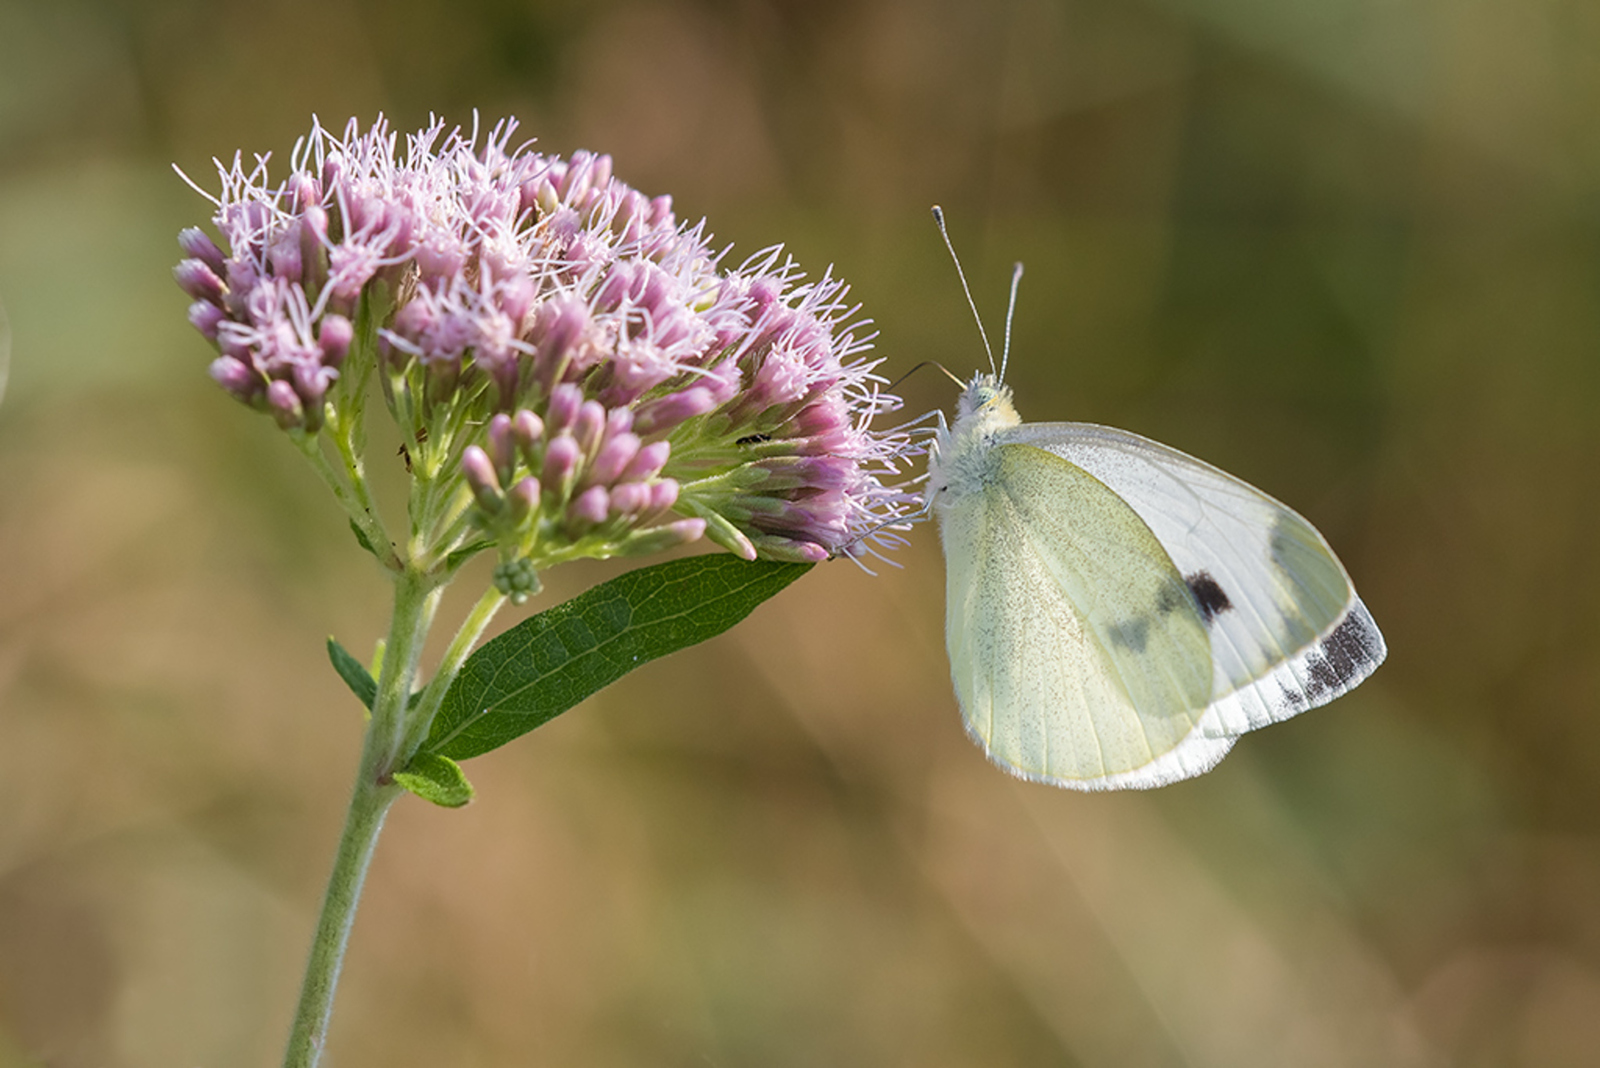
(1349, 250)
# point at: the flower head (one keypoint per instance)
(554, 341)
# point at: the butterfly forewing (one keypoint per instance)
(1287, 630)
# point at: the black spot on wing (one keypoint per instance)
(1133, 634)
(1343, 659)
(1209, 597)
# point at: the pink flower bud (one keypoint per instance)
(205, 317)
(236, 377)
(560, 462)
(629, 498)
(687, 530)
(197, 245)
(564, 227)
(198, 280)
(647, 462)
(586, 426)
(663, 495)
(334, 337)
(303, 191)
(481, 479)
(232, 341)
(284, 403)
(586, 252)
(526, 430)
(591, 506)
(660, 416)
(828, 473)
(822, 420)
(671, 326)
(600, 176)
(585, 173)
(612, 459)
(559, 327)
(501, 449)
(565, 400)
(311, 385)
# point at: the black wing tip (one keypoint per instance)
(1342, 659)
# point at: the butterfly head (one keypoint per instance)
(985, 398)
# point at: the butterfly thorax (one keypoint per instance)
(963, 455)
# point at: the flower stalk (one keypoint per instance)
(415, 600)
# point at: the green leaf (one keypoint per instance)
(361, 538)
(543, 666)
(353, 672)
(465, 553)
(436, 778)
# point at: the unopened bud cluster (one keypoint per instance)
(552, 339)
(579, 477)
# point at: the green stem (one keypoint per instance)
(415, 599)
(364, 821)
(467, 636)
(355, 471)
(352, 495)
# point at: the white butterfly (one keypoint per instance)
(1117, 612)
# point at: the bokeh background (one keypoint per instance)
(1349, 250)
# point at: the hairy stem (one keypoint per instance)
(416, 597)
(461, 645)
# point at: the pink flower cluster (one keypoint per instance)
(583, 356)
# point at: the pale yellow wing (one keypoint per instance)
(1079, 655)
(1288, 631)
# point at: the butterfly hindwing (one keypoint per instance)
(1080, 656)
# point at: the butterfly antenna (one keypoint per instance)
(892, 386)
(1011, 308)
(938, 218)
